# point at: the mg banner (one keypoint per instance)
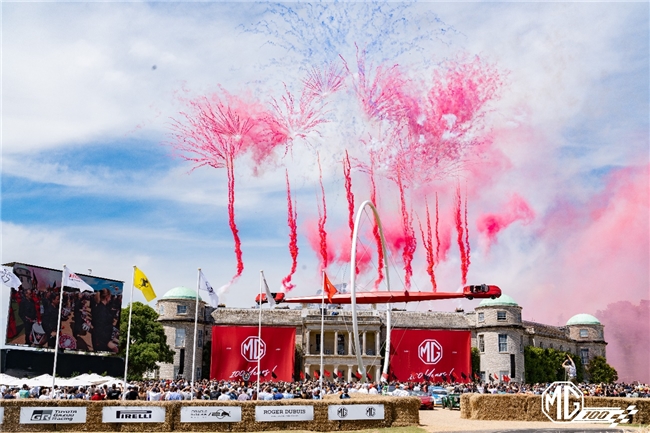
(419, 354)
(236, 349)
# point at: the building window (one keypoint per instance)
(501, 316)
(481, 317)
(199, 339)
(181, 309)
(482, 373)
(481, 343)
(541, 344)
(521, 344)
(161, 309)
(561, 348)
(550, 346)
(180, 337)
(318, 343)
(584, 333)
(584, 356)
(503, 343)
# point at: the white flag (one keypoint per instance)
(205, 285)
(269, 296)
(8, 277)
(70, 279)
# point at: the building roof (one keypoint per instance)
(583, 319)
(502, 300)
(180, 293)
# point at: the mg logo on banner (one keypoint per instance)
(430, 351)
(253, 348)
(563, 402)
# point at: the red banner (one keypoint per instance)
(440, 356)
(235, 351)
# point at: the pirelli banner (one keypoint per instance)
(436, 355)
(236, 349)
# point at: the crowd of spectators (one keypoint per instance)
(160, 390)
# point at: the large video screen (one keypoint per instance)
(90, 322)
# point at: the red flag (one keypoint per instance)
(329, 288)
(496, 376)
(506, 378)
(368, 376)
(316, 374)
(339, 374)
(327, 373)
(452, 376)
(358, 375)
(302, 375)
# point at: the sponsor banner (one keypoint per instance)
(437, 355)
(236, 349)
(88, 318)
(211, 414)
(284, 413)
(52, 415)
(133, 414)
(342, 412)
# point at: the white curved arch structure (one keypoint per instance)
(353, 267)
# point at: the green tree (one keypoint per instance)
(600, 371)
(476, 362)
(545, 365)
(148, 341)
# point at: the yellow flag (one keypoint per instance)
(141, 282)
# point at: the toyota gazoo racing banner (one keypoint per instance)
(435, 355)
(236, 349)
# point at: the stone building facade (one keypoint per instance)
(496, 326)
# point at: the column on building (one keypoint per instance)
(307, 345)
(363, 344)
(377, 348)
(336, 342)
(350, 372)
(377, 373)
(307, 368)
(350, 343)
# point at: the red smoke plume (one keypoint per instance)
(292, 219)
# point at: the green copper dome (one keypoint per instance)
(502, 300)
(180, 293)
(583, 319)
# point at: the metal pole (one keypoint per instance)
(128, 337)
(196, 321)
(58, 330)
(259, 339)
(322, 333)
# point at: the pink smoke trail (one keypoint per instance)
(348, 192)
(461, 242)
(322, 219)
(292, 221)
(467, 249)
(437, 233)
(375, 231)
(410, 242)
(428, 246)
(216, 131)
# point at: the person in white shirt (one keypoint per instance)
(225, 396)
(154, 394)
(44, 395)
(372, 390)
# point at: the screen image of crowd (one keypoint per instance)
(89, 321)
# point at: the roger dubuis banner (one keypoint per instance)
(236, 349)
(436, 355)
(284, 413)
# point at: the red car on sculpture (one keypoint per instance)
(481, 291)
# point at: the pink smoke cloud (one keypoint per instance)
(490, 224)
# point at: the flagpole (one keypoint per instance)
(196, 321)
(128, 336)
(322, 335)
(58, 330)
(259, 338)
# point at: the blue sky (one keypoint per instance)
(89, 179)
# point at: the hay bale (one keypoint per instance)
(405, 411)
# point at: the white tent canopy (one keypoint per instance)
(46, 380)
